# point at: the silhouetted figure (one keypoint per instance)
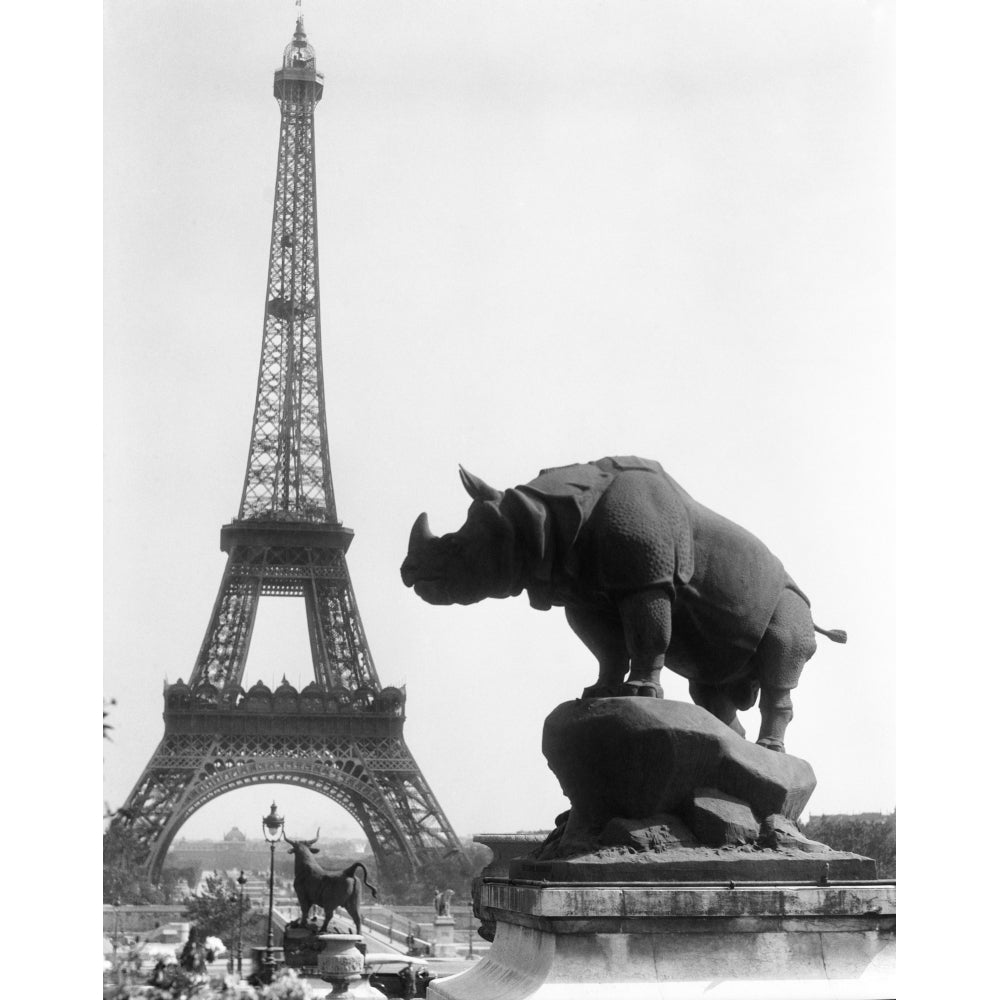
(409, 980)
(193, 953)
(159, 975)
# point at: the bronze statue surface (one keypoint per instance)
(660, 790)
(648, 577)
(314, 886)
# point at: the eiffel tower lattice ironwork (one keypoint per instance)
(342, 735)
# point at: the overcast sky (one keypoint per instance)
(548, 232)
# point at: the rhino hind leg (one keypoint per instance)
(604, 637)
(786, 647)
(719, 702)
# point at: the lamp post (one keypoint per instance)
(274, 827)
(472, 919)
(114, 933)
(241, 881)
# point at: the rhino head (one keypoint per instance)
(465, 566)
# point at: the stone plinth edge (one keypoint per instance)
(507, 847)
(671, 942)
(699, 864)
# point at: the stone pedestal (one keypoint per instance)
(341, 964)
(506, 847)
(678, 871)
(661, 941)
(444, 938)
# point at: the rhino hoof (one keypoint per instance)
(770, 743)
(642, 689)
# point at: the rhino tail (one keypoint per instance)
(835, 634)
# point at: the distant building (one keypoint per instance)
(235, 852)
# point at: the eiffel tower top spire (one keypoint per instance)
(299, 54)
(288, 476)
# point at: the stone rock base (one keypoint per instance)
(673, 942)
(700, 864)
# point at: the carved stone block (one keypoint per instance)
(634, 758)
(658, 833)
(719, 820)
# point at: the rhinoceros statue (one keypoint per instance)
(648, 577)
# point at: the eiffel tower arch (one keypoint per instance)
(341, 735)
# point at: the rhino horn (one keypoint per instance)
(476, 488)
(420, 532)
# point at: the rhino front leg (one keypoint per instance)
(603, 636)
(647, 617)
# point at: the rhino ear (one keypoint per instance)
(476, 488)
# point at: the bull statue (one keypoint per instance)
(316, 887)
(648, 577)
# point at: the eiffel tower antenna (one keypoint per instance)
(341, 735)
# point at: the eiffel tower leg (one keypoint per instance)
(223, 654)
(341, 659)
(151, 810)
(426, 828)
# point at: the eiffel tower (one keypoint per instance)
(342, 735)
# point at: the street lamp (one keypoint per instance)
(241, 881)
(274, 827)
(472, 919)
(114, 933)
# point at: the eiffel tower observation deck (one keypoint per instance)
(342, 735)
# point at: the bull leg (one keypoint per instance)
(646, 618)
(784, 650)
(719, 702)
(352, 908)
(603, 636)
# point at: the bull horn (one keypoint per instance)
(476, 488)
(420, 532)
(309, 843)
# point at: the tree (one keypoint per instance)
(216, 910)
(870, 835)
(124, 881)
(107, 725)
(398, 884)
